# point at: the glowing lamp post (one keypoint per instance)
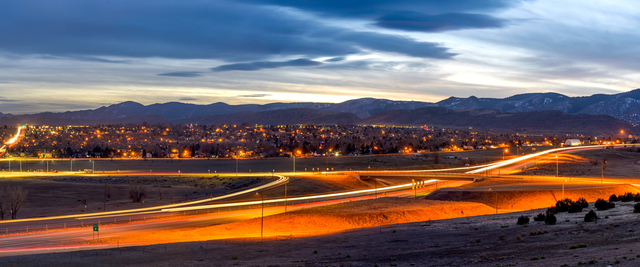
(557, 170)
(261, 216)
(504, 153)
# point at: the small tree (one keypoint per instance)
(591, 216)
(539, 218)
(614, 198)
(4, 202)
(522, 220)
(627, 197)
(137, 192)
(17, 198)
(602, 204)
(550, 219)
(636, 208)
(583, 202)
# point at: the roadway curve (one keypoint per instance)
(45, 242)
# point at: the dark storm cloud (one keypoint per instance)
(223, 30)
(185, 74)
(255, 95)
(360, 8)
(2, 99)
(335, 59)
(408, 15)
(414, 21)
(251, 66)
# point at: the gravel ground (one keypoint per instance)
(471, 241)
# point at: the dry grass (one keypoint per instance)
(322, 220)
(526, 196)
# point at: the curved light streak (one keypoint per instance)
(281, 180)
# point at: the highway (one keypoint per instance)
(75, 239)
(207, 212)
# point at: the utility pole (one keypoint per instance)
(294, 163)
(93, 166)
(47, 166)
(602, 177)
(71, 164)
(236, 166)
(557, 171)
(105, 197)
(285, 198)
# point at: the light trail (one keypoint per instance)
(281, 180)
(11, 141)
(530, 156)
(382, 189)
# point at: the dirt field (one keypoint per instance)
(621, 163)
(492, 240)
(51, 196)
(525, 195)
(324, 220)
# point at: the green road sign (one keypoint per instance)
(95, 227)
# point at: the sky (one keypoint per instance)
(71, 54)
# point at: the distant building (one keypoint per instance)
(572, 142)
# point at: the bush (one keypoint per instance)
(636, 208)
(550, 219)
(583, 202)
(614, 198)
(636, 197)
(552, 210)
(602, 204)
(627, 197)
(575, 207)
(522, 220)
(564, 204)
(591, 216)
(540, 217)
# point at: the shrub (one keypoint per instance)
(563, 205)
(591, 216)
(550, 219)
(627, 197)
(614, 198)
(602, 204)
(540, 217)
(583, 202)
(636, 208)
(636, 197)
(575, 207)
(552, 210)
(522, 220)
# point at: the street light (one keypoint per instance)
(557, 166)
(504, 152)
(262, 216)
(563, 188)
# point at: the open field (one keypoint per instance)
(52, 196)
(492, 240)
(323, 220)
(621, 163)
(510, 195)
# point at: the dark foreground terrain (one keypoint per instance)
(492, 240)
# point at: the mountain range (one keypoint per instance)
(525, 111)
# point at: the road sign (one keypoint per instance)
(95, 227)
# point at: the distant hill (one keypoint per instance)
(500, 121)
(495, 113)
